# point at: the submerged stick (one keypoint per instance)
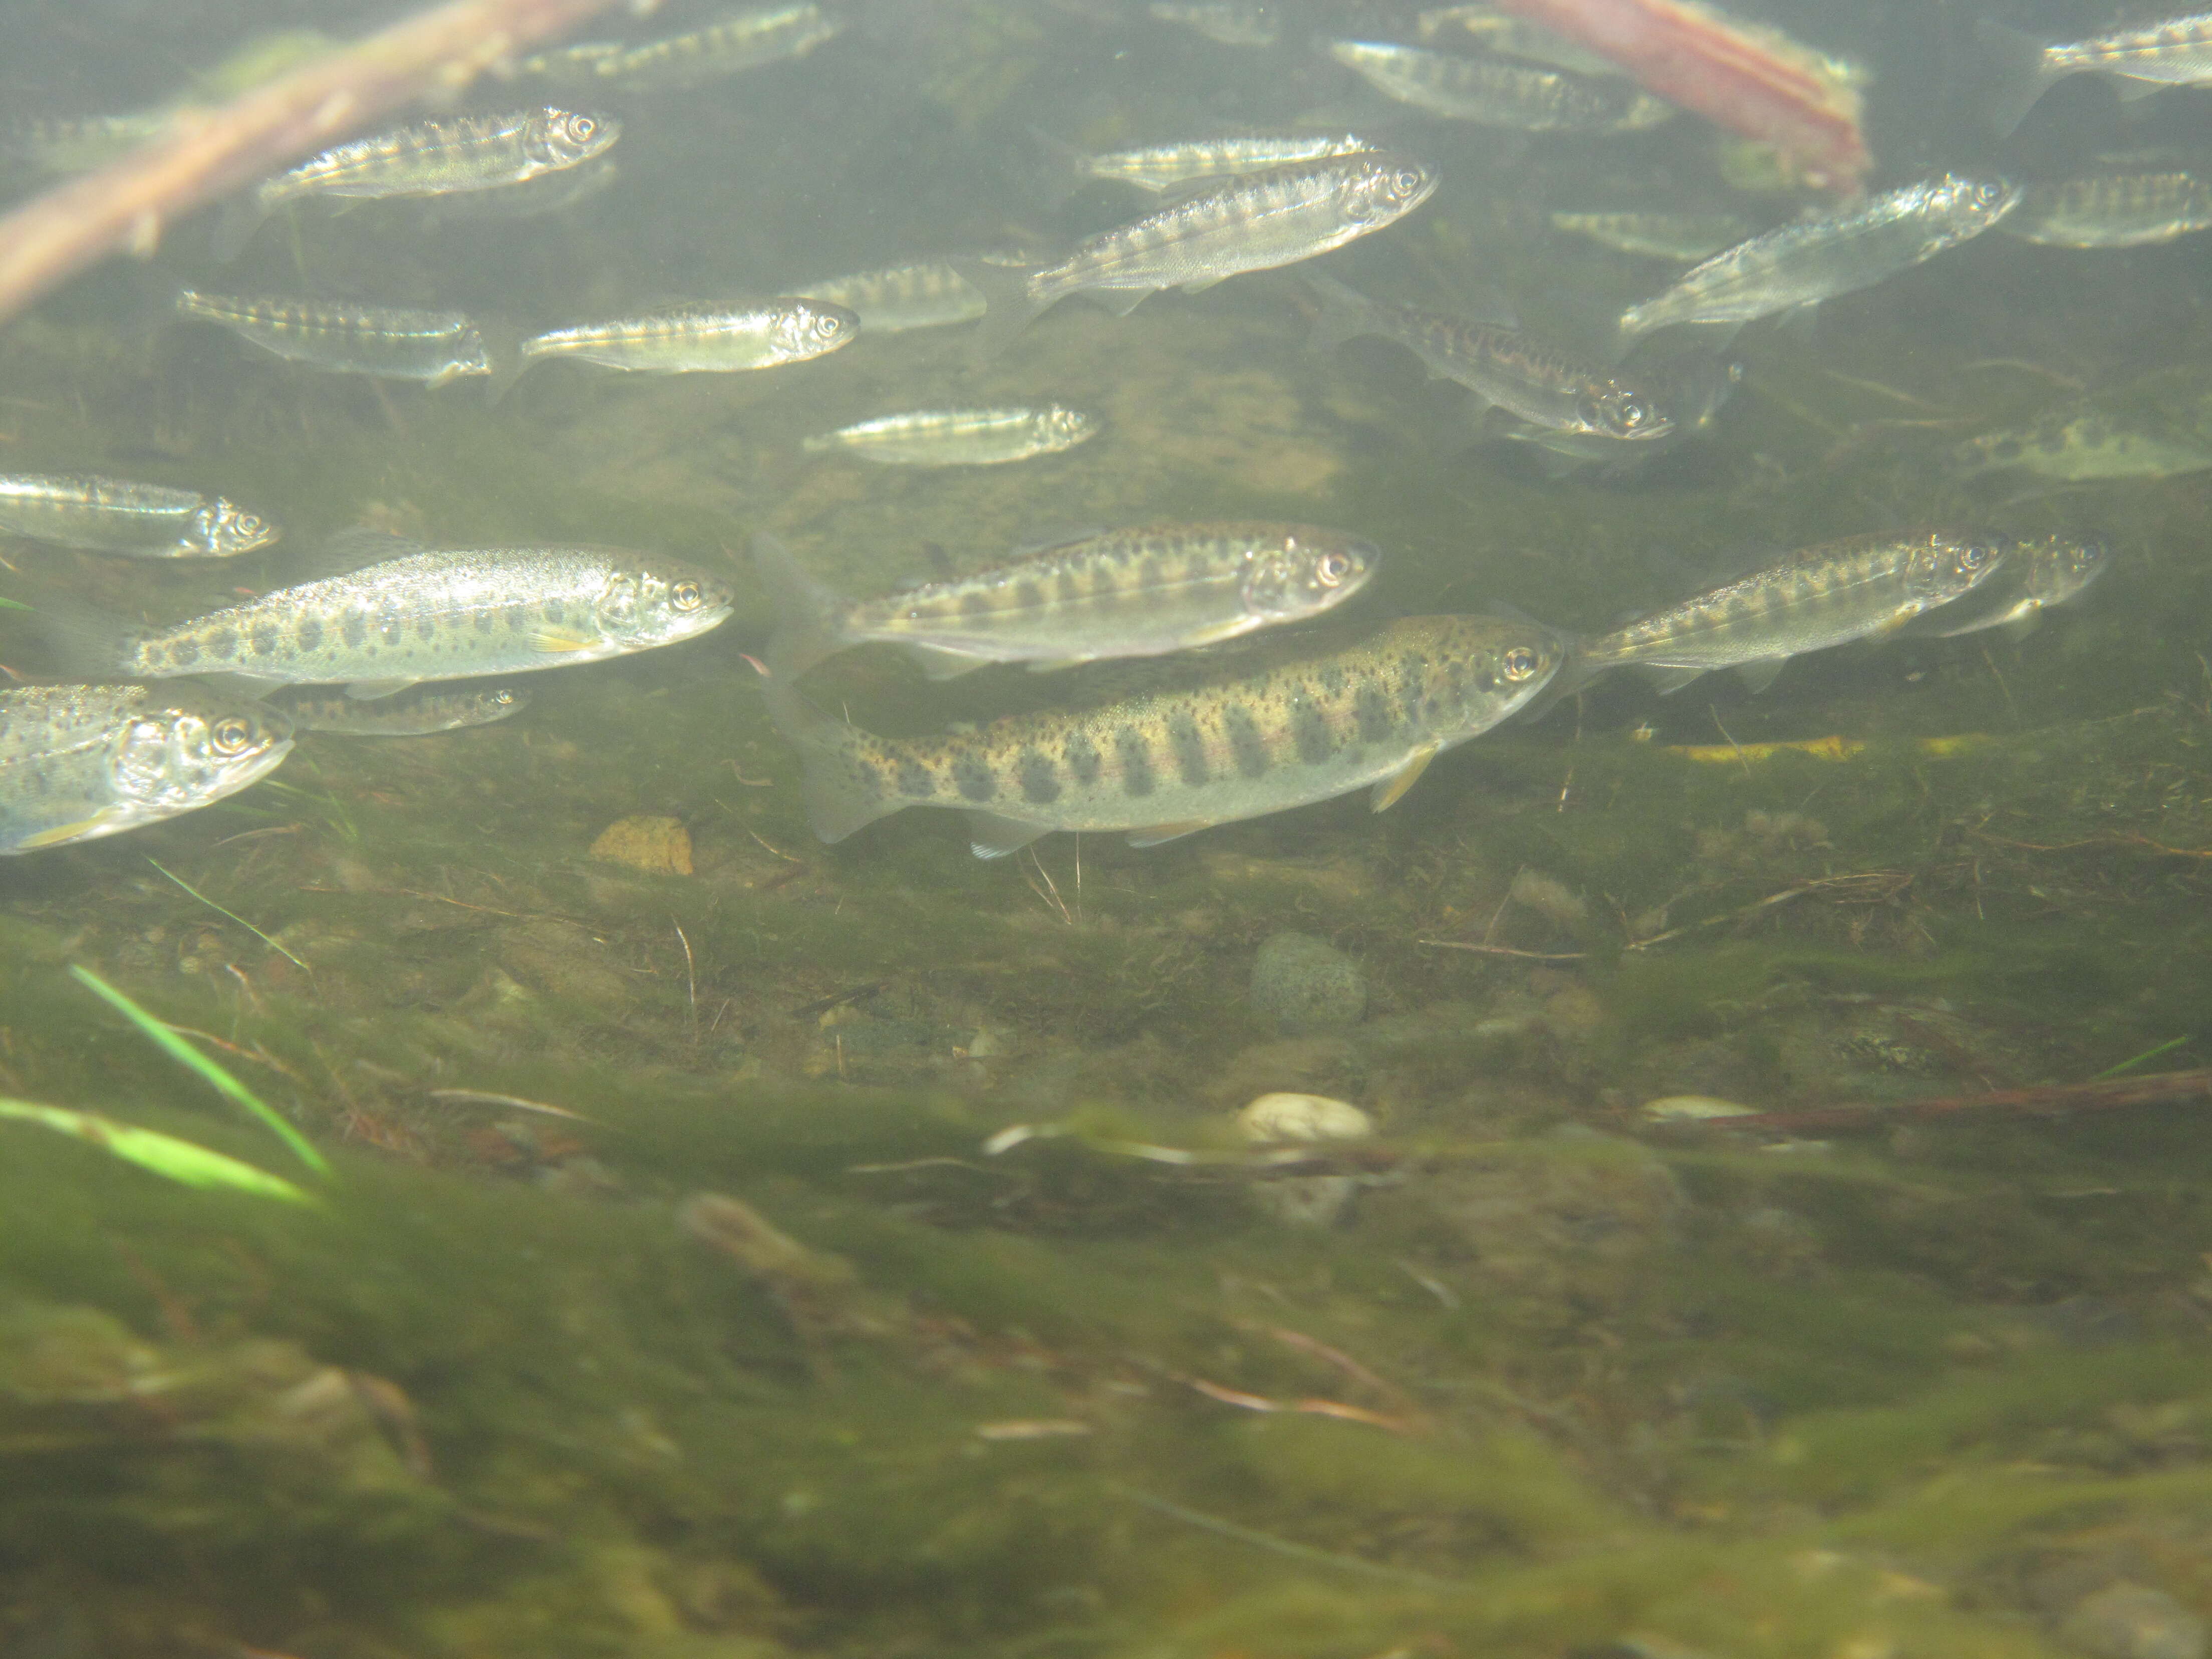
(207, 153)
(2049, 1099)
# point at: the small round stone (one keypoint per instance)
(1279, 1117)
(1306, 984)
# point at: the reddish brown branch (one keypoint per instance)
(207, 153)
(1748, 80)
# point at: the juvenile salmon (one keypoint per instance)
(115, 515)
(1115, 594)
(78, 762)
(959, 437)
(1282, 725)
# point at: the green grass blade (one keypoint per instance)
(2130, 1064)
(233, 915)
(165, 1155)
(184, 1054)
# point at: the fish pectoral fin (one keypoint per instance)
(370, 690)
(1165, 832)
(61, 834)
(992, 835)
(1667, 681)
(2018, 621)
(1757, 676)
(553, 641)
(1388, 791)
(1119, 300)
(939, 663)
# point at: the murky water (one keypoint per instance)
(780, 1337)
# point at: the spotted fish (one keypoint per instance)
(1285, 724)
(115, 515)
(709, 339)
(1162, 167)
(739, 42)
(928, 295)
(2175, 52)
(2132, 208)
(958, 437)
(1140, 592)
(1253, 223)
(1494, 91)
(2080, 444)
(78, 762)
(1796, 266)
(1820, 597)
(393, 345)
(2038, 576)
(414, 712)
(1503, 366)
(411, 615)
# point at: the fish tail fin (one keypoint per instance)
(87, 639)
(1343, 313)
(805, 610)
(502, 338)
(1009, 307)
(1063, 169)
(2019, 74)
(237, 223)
(837, 801)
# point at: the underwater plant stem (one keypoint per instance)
(205, 153)
(2148, 1053)
(234, 916)
(193, 1060)
(1288, 1547)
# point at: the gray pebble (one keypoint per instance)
(2127, 1621)
(1306, 984)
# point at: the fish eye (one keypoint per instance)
(503, 697)
(231, 734)
(1407, 180)
(1519, 664)
(582, 127)
(1971, 557)
(1332, 568)
(246, 524)
(686, 596)
(1632, 415)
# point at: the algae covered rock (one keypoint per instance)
(1306, 984)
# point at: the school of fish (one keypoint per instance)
(1244, 693)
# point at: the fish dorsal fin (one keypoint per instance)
(992, 835)
(1757, 676)
(1159, 832)
(1388, 791)
(349, 550)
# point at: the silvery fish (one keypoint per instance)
(1230, 22)
(454, 155)
(556, 192)
(1692, 384)
(418, 710)
(1658, 235)
(1278, 725)
(2038, 576)
(1500, 364)
(1140, 592)
(1492, 30)
(1160, 167)
(2114, 209)
(1800, 264)
(743, 40)
(2177, 52)
(1501, 92)
(926, 295)
(416, 615)
(704, 339)
(959, 437)
(77, 143)
(1820, 597)
(1253, 223)
(78, 762)
(2079, 445)
(431, 346)
(115, 515)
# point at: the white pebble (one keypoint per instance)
(1303, 1117)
